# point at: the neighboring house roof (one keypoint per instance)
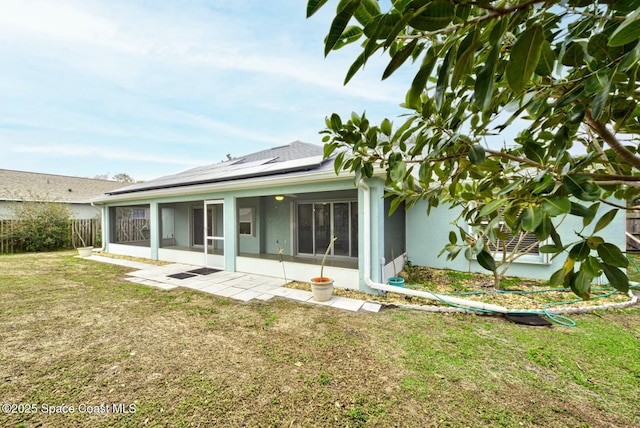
(22, 185)
(295, 157)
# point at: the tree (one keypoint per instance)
(565, 72)
(39, 225)
(123, 178)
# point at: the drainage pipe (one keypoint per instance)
(410, 292)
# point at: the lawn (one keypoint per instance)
(73, 333)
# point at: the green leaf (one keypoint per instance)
(582, 284)
(582, 187)
(421, 78)
(399, 58)
(464, 61)
(547, 60)
(337, 163)
(580, 251)
(581, 210)
(557, 279)
(600, 100)
(574, 55)
(336, 122)
(485, 259)
(611, 255)
(594, 242)
(491, 207)
(313, 6)
(398, 172)
(476, 154)
(617, 278)
(385, 127)
(368, 10)
(549, 249)
(367, 170)
(531, 217)
(436, 15)
(510, 187)
(605, 220)
(339, 24)
(576, 114)
(556, 205)
(453, 238)
(395, 204)
(424, 173)
(628, 31)
(357, 65)
(592, 266)
(525, 55)
(350, 35)
(483, 89)
(544, 229)
(443, 78)
(593, 208)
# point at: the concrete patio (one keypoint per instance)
(235, 285)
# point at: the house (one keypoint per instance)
(76, 192)
(246, 213)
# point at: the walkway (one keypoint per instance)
(235, 285)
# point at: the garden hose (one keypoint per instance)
(556, 318)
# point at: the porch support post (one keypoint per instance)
(230, 233)
(154, 229)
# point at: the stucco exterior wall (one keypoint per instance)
(427, 236)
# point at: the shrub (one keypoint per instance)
(40, 226)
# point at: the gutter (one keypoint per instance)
(400, 290)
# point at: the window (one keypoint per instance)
(520, 242)
(246, 220)
(130, 225)
(319, 221)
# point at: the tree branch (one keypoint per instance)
(611, 140)
(494, 13)
(515, 158)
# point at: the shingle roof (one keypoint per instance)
(297, 156)
(293, 151)
(22, 185)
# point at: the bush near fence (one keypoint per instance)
(89, 229)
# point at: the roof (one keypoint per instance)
(23, 185)
(294, 157)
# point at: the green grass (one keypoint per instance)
(72, 332)
(634, 274)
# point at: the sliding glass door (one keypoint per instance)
(319, 221)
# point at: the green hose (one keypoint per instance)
(556, 318)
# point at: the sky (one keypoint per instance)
(150, 88)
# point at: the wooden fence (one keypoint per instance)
(89, 229)
(633, 228)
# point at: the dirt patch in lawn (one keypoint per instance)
(515, 293)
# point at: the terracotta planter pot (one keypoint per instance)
(322, 289)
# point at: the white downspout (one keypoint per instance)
(401, 290)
